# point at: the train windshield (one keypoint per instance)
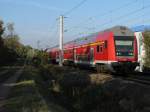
(124, 47)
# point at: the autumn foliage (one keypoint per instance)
(147, 48)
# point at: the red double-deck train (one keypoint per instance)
(113, 49)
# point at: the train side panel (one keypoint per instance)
(68, 56)
(113, 49)
(105, 52)
(82, 54)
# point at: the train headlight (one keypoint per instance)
(118, 53)
(130, 53)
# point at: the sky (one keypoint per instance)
(36, 21)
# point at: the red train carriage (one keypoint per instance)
(54, 54)
(113, 49)
(68, 56)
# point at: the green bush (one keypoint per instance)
(147, 48)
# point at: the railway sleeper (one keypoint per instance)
(101, 68)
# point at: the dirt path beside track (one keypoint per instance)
(6, 87)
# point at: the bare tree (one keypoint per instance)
(10, 28)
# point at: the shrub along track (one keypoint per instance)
(49, 88)
(137, 77)
(29, 94)
(67, 85)
(81, 90)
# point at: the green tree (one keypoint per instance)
(1, 32)
(147, 48)
(8, 45)
(11, 40)
(1, 42)
(11, 48)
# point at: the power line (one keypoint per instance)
(53, 31)
(68, 12)
(134, 20)
(131, 20)
(125, 16)
(107, 13)
(104, 14)
(116, 9)
(74, 8)
(53, 26)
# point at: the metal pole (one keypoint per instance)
(61, 42)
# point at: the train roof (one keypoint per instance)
(120, 31)
(117, 31)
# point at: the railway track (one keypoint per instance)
(139, 78)
(141, 81)
(136, 77)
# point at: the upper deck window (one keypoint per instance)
(99, 48)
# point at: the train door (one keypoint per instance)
(75, 56)
(91, 55)
(57, 57)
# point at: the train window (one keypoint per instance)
(105, 44)
(97, 48)
(101, 48)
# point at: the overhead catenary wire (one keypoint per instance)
(132, 22)
(109, 12)
(107, 22)
(119, 18)
(69, 12)
(74, 8)
(53, 25)
(123, 16)
(106, 13)
(54, 31)
(115, 9)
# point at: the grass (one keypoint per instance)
(50, 87)
(25, 96)
(67, 84)
(32, 93)
(78, 91)
(6, 73)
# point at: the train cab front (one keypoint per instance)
(125, 53)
